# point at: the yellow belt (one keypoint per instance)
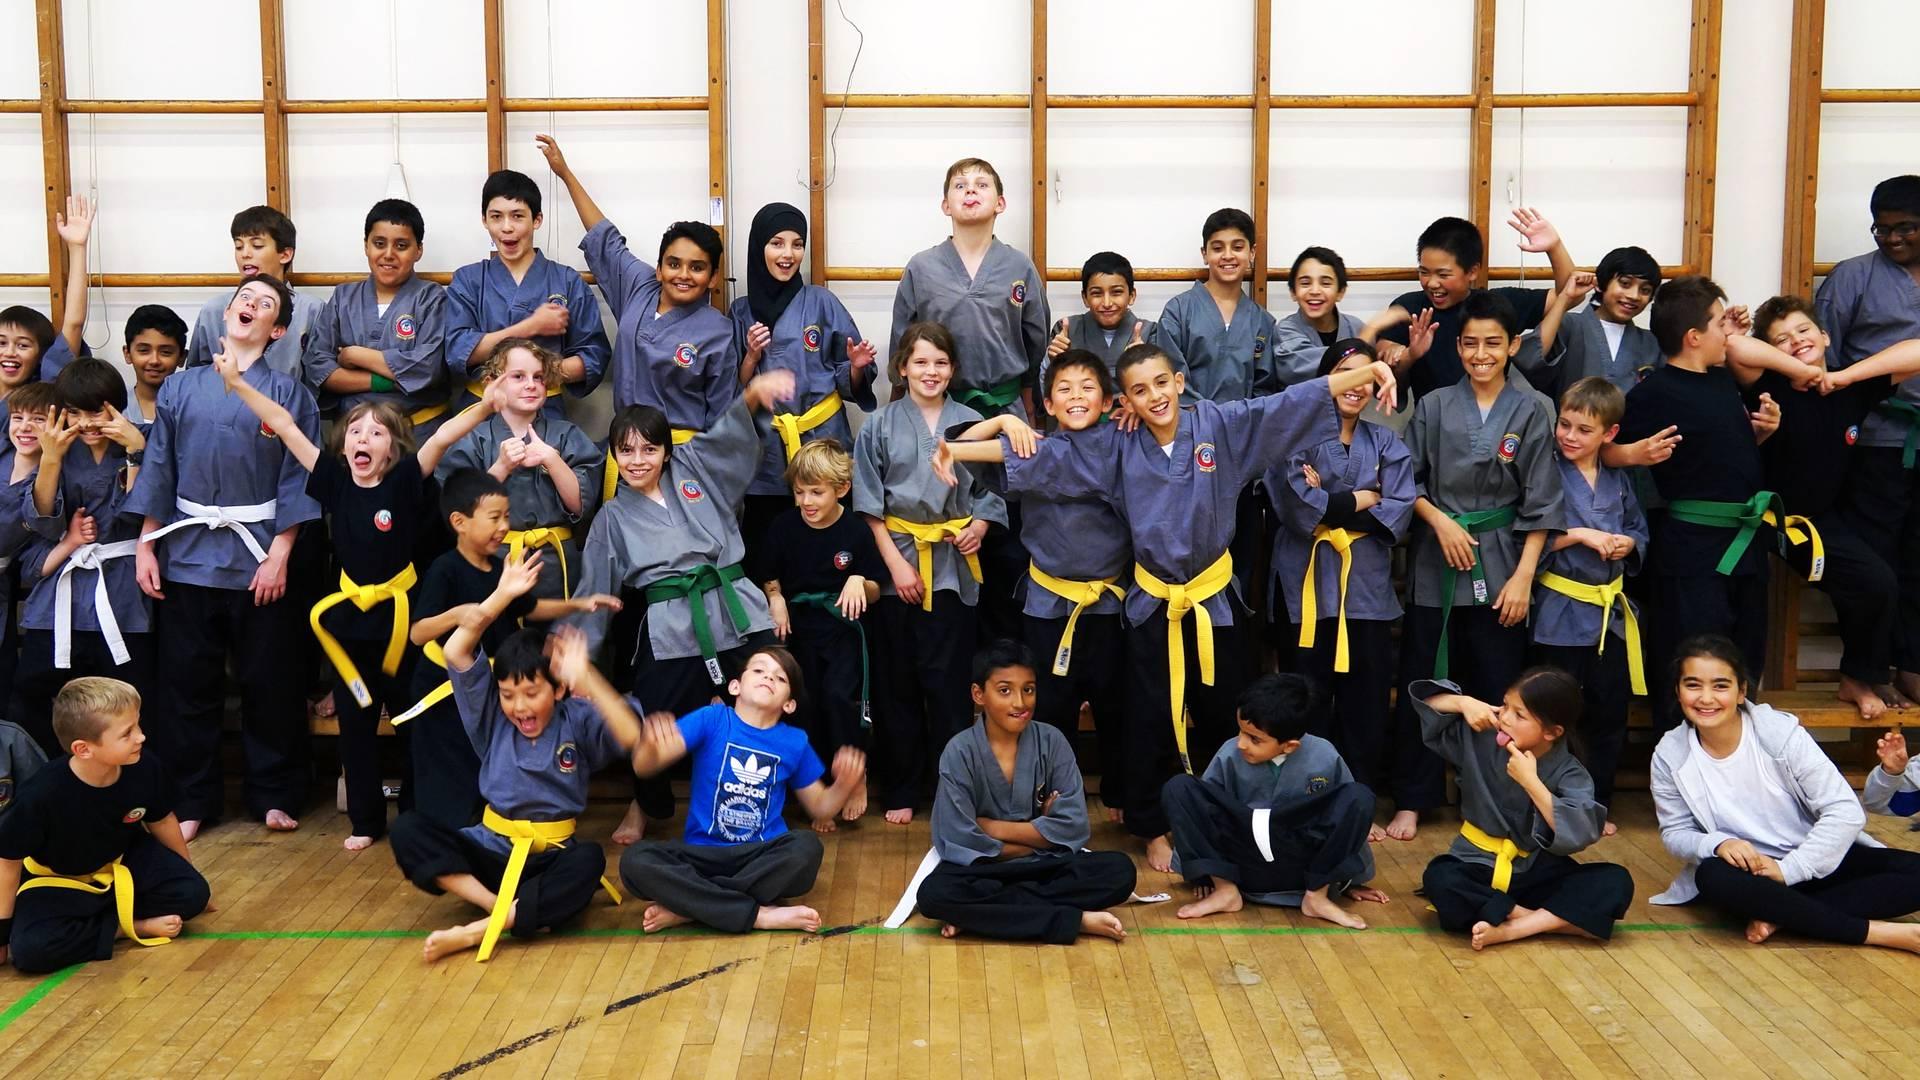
(924, 537)
(113, 877)
(1503, 850)
(791, 426)
(1182, 599)
(1082, 595)
(610, 483)
(366, 598)
(1603, 597)
(1799, 530)
(553, 536)
(436, 656)
(528, 837)
(1342, 541)
(428, 414)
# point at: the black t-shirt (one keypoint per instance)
(805, 559)
(1716, 460)
(450, 582)
(1806, 460)
(375, 533)
(1441, 367)
(76, 828)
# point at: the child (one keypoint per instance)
(550, 467)
(1602, 339)
(929, 536)
(20, 757)
(263, 243)
(1489, 495)
(1342, 506)
(1526, 805)
(1175, 480)
(1766, 827)
(26, 333)
(384, 337)
(27, 419)
(672, 536)
(738, 859)
(990, 298)
(1318, 281)
(1575, 627)
(373, 488)
(541, 719)
(1707, 563)
(1010, 823)
(155, 342)
(1891, 786)
(821, 571)
(221, 486)
(672, 349)
(1109, 326)
(85, 615)
(785, 324)
(97, 836)
(1223, 361)
(1451, 251)
(517, 292)
(1867, 304)
(1308, 842)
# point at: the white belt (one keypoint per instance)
(89, 557)
(1262, 834)
(236, 518)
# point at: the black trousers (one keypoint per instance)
(556, 885)
(36, 681)
(921, 664)
(1882, 507)
(199, 628)
(1607, 690)
(829, 653)
(55, 927)
(445, 772)
(1870, 883)
(1096, 675)
(1865, 590)
(1003, 565)
(679, 686)
(722, 886)
(1680, 606)
(360, 730)
(1033, 898)
(1592, 896)
(1152, 755)
(1483, 657)
(1319, 843)
(1361, 714)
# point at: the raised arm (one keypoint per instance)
(583, 204)
(457, 427)
(1539, 237)
(517, 578)
(1898, 362)
(567, 652)
(74, 227)
(849, 775)
(271, 413)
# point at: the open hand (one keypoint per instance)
(1537, 234)
(1892, 751)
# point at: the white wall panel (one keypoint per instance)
(1870, 44)
(1860, 145)
(884, 202)
(23, 205)
(1373, 47)
(348, 48)
(340, 166)
(191, 49)
(1142, 182)
(19, 52)
(1363, 182)
(1556, 47)
(169, 187)
(1605, 177)
(1133, 47)
(918, 47)
(590, 48)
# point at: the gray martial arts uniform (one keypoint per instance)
(1584, 350)
(1376, 461)
(1608, 505)
(681, 361)
(411, 335)
(1869, 303)
(1297, 346)
(810, 340)
(1084, 332)
(20, 757)
(98, 487)
(892, 476)
(1223, 363)
(483, 298)
(287, 355)
(533, 501)
(998, 318)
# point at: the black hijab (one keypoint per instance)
(767, 296)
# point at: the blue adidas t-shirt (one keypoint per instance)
(741, 774)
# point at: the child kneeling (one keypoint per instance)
(1526, 804)
(89, 829)
(739, 858)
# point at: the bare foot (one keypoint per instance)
(900, 816)
(824, 825)
(856, 807)
(189, 830)
(1317, 904)
(657, 918)
(454, 939)
(1223, 898)
(1609, 828)
(1907, 685)
(358, 843)
(325, 707)
(165, 926)
(281, 821)
(1485, 934)
(1404, 825)
(1102, 924)
(632, 827)
(1862, 698)
(1894, 935)
(1758, 932)
(1375, 834)
(949, 931)
(1116, 815)
(1160, 854)
(787, 918)
(1891, 694)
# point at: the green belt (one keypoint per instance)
(693, 586)
(990, 400)
(829, 602)
(1475, 522)
(1746, 517)
(1907, 411)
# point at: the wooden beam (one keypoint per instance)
(1904, 95)
(19, 105)
(622, 104)
(1262, 135)
(1372, 101)
(1595, 101)
(494, 29)
(1150, 101)
(817, 140)
(716, 103)
(273, 93)
(925, 101)
(134, 106)
(349, 107)
(1037, 140)
(1480, 138)
(1703, 135)
(55, 174)
(1198, 273)
(1806, 55)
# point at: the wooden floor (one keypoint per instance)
(311, 967)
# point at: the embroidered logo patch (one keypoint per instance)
(557, 298)
(567, 757)
(1509, 447)
(1018, 294)
(134, 815)
(267, 431)
(404, 328)
(690, 491)
(684, 354)
(1317, 784)
(6, 792)
(811, 338)
(842, 560)
(383, 520)
(1204, 457)
(1853, 434)
(1259, 345)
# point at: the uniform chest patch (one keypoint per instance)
(6, 792)
(684, 354)
(1853, 434)
(567, 757)
(810, 337)
(1509, 447)
(267, 431)
(1259, 345)
(1317, 784)
(1205, 458)
(133, 815)
(1018, 294)
(842, 560)
(691, 491)
(383, 520)
(404, 328)
(557, 298)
